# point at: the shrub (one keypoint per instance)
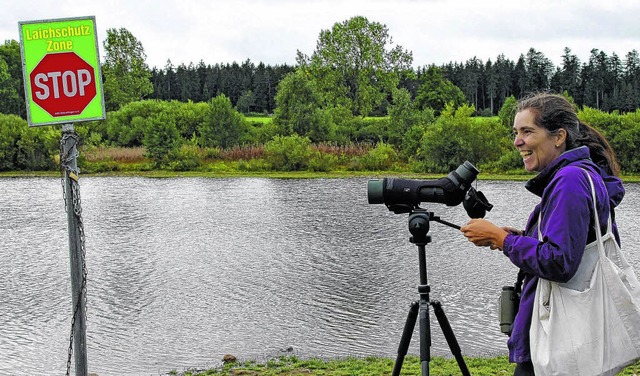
(161, 139)
(290, 153)
(254, 165)
(126, 127)
(380, 158)
(411, 141)
(25, 148)
(32, 150)
(622, 132)
(510, 161)
(186, 157)
(456, 137)
(322, 162)
(11, 128)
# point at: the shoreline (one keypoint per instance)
(281, 175)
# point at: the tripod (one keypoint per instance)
(419, 227)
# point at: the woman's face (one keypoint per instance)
(536, 145)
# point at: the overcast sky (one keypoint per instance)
(271, 31)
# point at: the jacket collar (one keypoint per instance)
(537, 184)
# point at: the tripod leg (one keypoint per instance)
(425, 330)
(403, 348)
(451, 338)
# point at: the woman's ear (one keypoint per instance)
(561, 136)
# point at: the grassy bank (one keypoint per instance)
(372, 366)
(248, 161)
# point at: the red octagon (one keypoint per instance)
(63, 84)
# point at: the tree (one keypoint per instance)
(126, 75)
(189, 116)
(246, 102)
(8, 95)
(11, 83)
(298, 108)
(567, 78)
(519, 78)
(491, 84)
(471, 80)
(631, 90)
(26, 148)
(594, 76)
(504, 70)
(615, 84)
(406, 123)
(539, 70)
(436, 92)
(225, 127)
(188, 84)
(355, 65)
(402, 116)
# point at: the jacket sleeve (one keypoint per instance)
(566, 212)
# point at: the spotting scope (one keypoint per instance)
(401, 195)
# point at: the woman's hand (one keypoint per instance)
(485, 234)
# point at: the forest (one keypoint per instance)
(605, 82)
(355, 103)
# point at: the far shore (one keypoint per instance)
(282, 175)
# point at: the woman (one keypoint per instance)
(557, 145)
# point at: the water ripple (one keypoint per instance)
(182, 271)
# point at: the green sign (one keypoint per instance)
(61, 70)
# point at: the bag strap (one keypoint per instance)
(519, 281)
(596, 220)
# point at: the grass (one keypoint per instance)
(291, 365)
(438, 366)
(116, 154)
(258, 119)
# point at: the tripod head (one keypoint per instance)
(419, 224)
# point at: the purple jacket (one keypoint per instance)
(567, 226)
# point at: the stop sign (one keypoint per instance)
(63, 84)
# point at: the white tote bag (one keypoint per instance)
(589, 325)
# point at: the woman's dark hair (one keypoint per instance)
(554, 111)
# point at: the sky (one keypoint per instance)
(272, 31)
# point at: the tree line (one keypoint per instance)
(605, 82)
(250, 87)
(357, 87)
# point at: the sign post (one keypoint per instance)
(62, 84)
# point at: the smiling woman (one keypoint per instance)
(567, 154)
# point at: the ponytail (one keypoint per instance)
(599, 148)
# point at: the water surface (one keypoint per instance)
(182, 271)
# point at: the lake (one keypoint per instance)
(182, 271)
